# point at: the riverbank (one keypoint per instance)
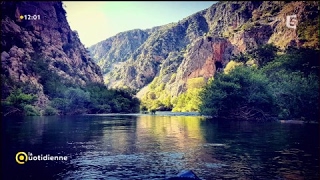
(169, 113)
(158, 113)
(297, 122)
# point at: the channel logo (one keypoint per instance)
(21, 157)
(292, 21)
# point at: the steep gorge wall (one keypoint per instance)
(50, 38)
(191, 47)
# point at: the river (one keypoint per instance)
(158, 147)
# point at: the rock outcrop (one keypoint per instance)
(32, 30)
(118, 48)
(194, 46)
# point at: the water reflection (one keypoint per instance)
(265, 150)
(148, 147)
(157, 147)
(167, 133)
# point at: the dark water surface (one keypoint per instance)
(158, 147)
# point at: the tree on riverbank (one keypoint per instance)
(241, 94)
(285, 86)
(65, 97)
(19, 103)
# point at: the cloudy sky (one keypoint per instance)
(96, 21)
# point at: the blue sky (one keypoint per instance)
(96, 21)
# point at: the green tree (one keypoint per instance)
(188, 101)
(104, 100)
(50, 111)
(264, 54)
(295, 83)
(242, 58)
(19, 103)
(241, 94)
(296, 95)
(30, 110)
(61, 104)
(78, 100)
(74, 101)
(303, 59)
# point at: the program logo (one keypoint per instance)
(21, 157)
(292, 21)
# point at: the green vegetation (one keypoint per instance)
(196, 83)
(189, 101)
(50, 111)
(264, 54)
(265, 83)
(294, 80)
(308, 32)
(231, 65)
(65, 97)
(241, 94)
(282, 86)
(19, 103)
(246, 26)
(157, 97)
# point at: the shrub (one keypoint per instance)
(50, 111)
(198, 82)
(30, 110)
(231, 65)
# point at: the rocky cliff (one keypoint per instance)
(31, 31)
(193, 47)
(118, 48)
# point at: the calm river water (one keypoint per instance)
(158, 147)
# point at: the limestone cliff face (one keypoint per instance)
(200, 61)
(192, 47)
(48, 36)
